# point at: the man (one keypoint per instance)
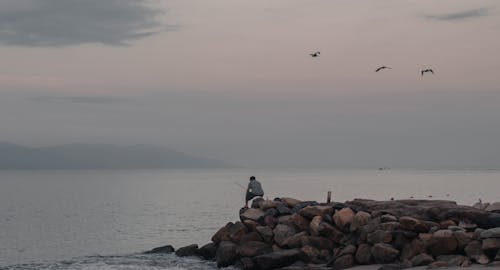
(254, 190)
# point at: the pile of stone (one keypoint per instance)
(290, 234)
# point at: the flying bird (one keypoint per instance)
(382, 67)
(426, 70)
(316, 54)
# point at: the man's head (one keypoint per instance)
(252, 178)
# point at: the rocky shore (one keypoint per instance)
(287, 233)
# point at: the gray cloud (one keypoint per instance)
(75, 22)
(79, 99)
(473, 13)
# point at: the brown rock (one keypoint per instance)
(281, 233)
(317, 242)
(252, 236)
(413, 224)
(316, 210)
(270, 221)
(287, 220)
(425, 236)
(463, 238)
(290, 202)
(251, 225)
(379, 236)
(295, 241)
(446, 223)
(412, 249)
(421, 259)
(360, 219)
(277, 259)
(384, 253)
(267, 204)
(363, 254)
(208, 251)
(314, 225)
(266, 233)
(491, 243)
(300, 223)
(388, 226)
(226, 254)
(344, 261)
(475, 252)
(442, 242)
(237, 231)
(256, 215)
(332, 233)
(343, 218)
(311, 253)
(222, 234)
(253, 248)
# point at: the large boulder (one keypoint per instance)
(253, 248)
(254, 214)
(295, 241)
(237, 231)
(284, 210)
(343, 218)
(463, 238)
(415, 247)
(277, 259)
(251, 225)
(475, 252)
(491, 233)
(208, 251)
(442, 242)
(384, 253)
(360, 219)
(266, 233)
(413, 224)
(190, 250)
(316, 210)
(222, 234)
(379, 236)
(281, 233)
(163, 249)
(363, 254)
(314, 225)
(226, 254)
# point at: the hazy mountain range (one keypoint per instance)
(99, 156)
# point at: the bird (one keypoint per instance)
(315, 54)
(426, 70)
(382, 67)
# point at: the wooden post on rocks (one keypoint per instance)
(329, 197)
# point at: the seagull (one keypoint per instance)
(316, 54)
(426, 70)
(382, 67)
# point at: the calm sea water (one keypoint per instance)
(105, 219)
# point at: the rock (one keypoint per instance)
(267, 204)
(425, 236)
(343, 218)
(494, 207)
(456, 228)
(164, 249)
(317, 242)
(190, 250)
(388, 218)
(388, 226)
(252, 236)
(301, 205)
(310, 254)
(413, 224)
(421, 259)
(452, 260)
(284, 210)
(497, 257)
(295, 241)
(412, 249)
(270, 221)
(253, 248)
(437, 264)
(332, 233)
(290, 202)
(246, 263)
(266, 233)
(222, 234)
(299, 222)
(314, 225)
(237, 231)
(344, 261)
(384, 253)
(208, 251)
(463, 238)
(256, 215)
(226, 254)
(363, 254)
(467, 226)
(272, 212)
(250, 224)
(360, 219)
(256, 202)
(442, 242)
(350, 249)
(316, 210)
(491, 243)
(379, 236)
(491, 233)
(277, 259)
(281, 233)
(466, 263)
(287, 220)
(400, 239)
(475, 252)
(446, 223)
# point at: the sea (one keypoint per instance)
(107, 219)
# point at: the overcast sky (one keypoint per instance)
(232, 80)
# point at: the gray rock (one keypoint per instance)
(467, 226)
(344, 261)
(256, 202)
(379, 236)
(237, 231)
(246, 263)
(388, 226)
(421, 259)
(360, 219)
(437, 264)
(164, 249)
(252, 236)
(284, 210)
(452, 260)
(256, 215)
(251, 225)
(295, 241)
(290, 202)
(299, 222)
(253, 248)
(350, 249)
(268, 204)
(475, 252)
(384, 253)
(272, 212)
(318, 242)
(491, 233)
(266, 233)
(281, 233)
(190, 250)
(463, 238)
(412, 249)
(277, 259)
(363, 254)
(442, 242)
(226, 254)
(388, 218)
(491, 244)
(208, 251)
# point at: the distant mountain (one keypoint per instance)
(98, 156)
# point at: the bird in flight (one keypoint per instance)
(426, 70)
(316, 54)
(382, 67)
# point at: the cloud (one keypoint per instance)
(467, 14)
(79, 99)
(59, 23)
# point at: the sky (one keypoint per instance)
(233, 80)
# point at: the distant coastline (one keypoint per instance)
(82, 156)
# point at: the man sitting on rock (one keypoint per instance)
(254, 189)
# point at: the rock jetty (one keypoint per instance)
(287, 233)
